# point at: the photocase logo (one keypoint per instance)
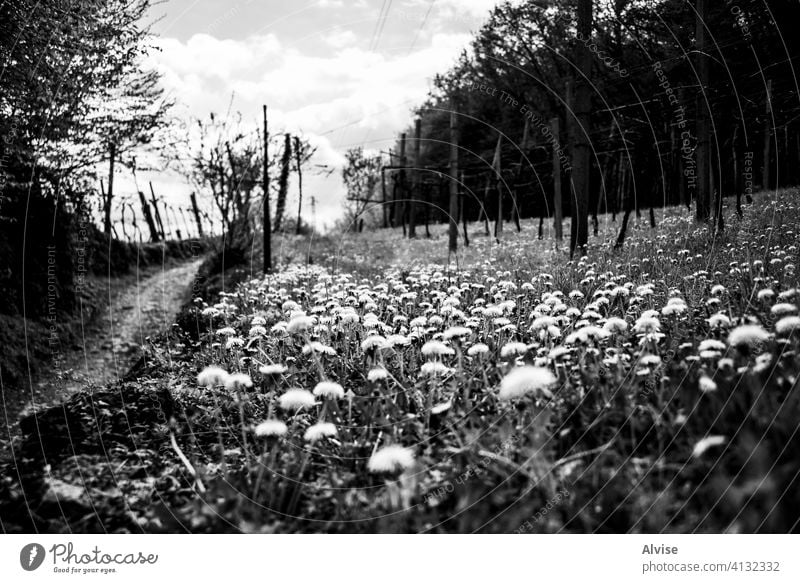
(31, 556)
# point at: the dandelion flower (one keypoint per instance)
(299, 324)
(434, 367)
(212, 376)
(234, 342)
(647, 325)
(296, 399)
(374, 342)
(783, 309)
(708, 442)
(391, 459)
(329, 390)
(524, 380)
(711, 344)
(614, 324)
(513, 349)
(377, 374)
(719, 320)
(477, 349)
(436, 348)
(787, 325)
(271, 428)
(319, 431)
(706, 384)
(238, 380)
(272, 369)
(456, 332)
(749, 334)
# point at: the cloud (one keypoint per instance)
(327, 81)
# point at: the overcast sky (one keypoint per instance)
(318, 65)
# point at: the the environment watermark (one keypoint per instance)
(536, 120)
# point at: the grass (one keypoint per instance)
(654, 389)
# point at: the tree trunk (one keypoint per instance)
(702, 203)
(266, 221)
(453, 183)
(557, 204)
(283, 181)
(581, 167)
(112, 153)
(417, 183)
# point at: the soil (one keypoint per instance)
(110, 341)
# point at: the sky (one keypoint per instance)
(341, 73)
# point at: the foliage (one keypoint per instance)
(673, 409)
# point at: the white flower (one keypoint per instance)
(237, 380)
(272, 369)
(319, 431)
(329, 390)
(271, 428)
(711, 344)
(586, 334)
(477, 349)
(513, 349)
(389, 459)
(706, 384)
(299, 324)
(783, 309)
(377, 374)
(787, 325)
(765, 294)
(234, 341)
(524, 380)
(647, 325)
(719, 320)
(434, 367)
(707, 442)
(456, 332)
(226, 331)
(296, 399)
(749, 334)
(650, 360)
(212, 376)
(374, 342)
(315, 346)
(614, 324)
(257, 331)
(397, 340)
(436, 348)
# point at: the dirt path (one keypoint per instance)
(112, 342)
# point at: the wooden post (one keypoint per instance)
(196, 212)
(453, 234)
(402, 178)
(384, 205)
(417, 183)
(497, 170)
(148, 217)
(765, 177)
(267, 225)
(557, 205)
(110, 194)
(298, 160)
(156, 212)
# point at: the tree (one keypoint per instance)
(361, 175)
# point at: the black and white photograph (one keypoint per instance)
(391, 267)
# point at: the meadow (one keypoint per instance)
(384, 388)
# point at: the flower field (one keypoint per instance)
(649, 390)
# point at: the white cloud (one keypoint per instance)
(312, 92)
